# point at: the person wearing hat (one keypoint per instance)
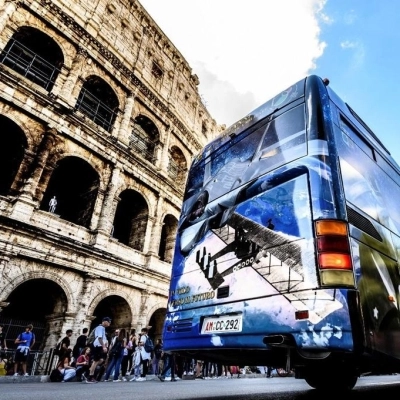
(99, 347)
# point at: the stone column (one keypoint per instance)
(48, 142)
(72, 78)
(26, 202)
(144, 308)
(148, 237)
(7, 9)
(105, 220)
(108, 207)
(165, 151)
(156, 229)
(123, 133)
(83, 320)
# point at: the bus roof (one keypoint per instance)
(285, 97)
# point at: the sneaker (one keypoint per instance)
(133, 379)
(117, 380)
(26, 374)
(174, 380)
(168, 378)
(140, 379)
(161, 378)
(124, 379)
(91, 380)
(199, 377)
(16, 374)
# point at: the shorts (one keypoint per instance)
(21, 356)
(98, 353)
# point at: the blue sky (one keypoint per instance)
(245, 52)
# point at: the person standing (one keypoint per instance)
(65, 343)
(169, 364)
(25, 342)
(144, 355)
(80, 344)
(99, 347)
(133, 340)
(158, 349)
(115, 356)
(3, 344)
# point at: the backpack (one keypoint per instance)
(116, 349)
(91, 338)
(148, 345)
(56, 375)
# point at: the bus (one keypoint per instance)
(288, 244)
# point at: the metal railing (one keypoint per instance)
(27, 63)
(144, 146)
(95, 109)
(38, 363)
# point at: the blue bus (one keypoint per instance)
(288, 244)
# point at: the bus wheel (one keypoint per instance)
(332, 382)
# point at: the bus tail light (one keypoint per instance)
(333, 253)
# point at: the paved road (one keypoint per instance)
(374, 387)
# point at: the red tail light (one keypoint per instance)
(333, 253)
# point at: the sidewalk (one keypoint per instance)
(46, 378)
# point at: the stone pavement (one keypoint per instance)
(46, 378)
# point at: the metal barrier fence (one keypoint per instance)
(13, 327)
(39, 362)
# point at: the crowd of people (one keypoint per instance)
(125, 356)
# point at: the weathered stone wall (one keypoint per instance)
(121, 44)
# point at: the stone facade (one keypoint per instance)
(100, 111)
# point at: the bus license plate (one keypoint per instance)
(222, 324)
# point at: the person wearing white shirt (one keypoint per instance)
(144, 355)
(99, 347)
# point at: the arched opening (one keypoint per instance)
(157, 323)
(33, 302)
(98, 101)
(177, 167)
(130, 220)
(74, 184)
(115, 307)
(168, 235)
(12, 150)
(34, 55)
(144, 137)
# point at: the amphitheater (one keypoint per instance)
(100, 116)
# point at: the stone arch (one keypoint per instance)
(42, 299)
(177, 167)
(75, 184)
(145, 137)
(50, 275)
(12, 150)
(130, 220)
(35, 55)
(98, 101)
(28, 126)
(156, 320)
(168, 237)
(147, 194)
(109, 303)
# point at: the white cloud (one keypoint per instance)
(347, 44)
(358, 52)
(243, 52)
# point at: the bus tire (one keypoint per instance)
(331, 382)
